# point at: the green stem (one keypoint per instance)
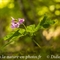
(24, 26)
(2, 48)
(37, 44)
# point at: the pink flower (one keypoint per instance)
(16, 24)
(21, 21)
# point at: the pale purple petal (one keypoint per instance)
(12, 26)
(21, 21)
(18, 24)
(15, 24)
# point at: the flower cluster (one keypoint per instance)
(15, 23)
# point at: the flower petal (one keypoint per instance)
(21, 21)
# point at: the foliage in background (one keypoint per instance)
(27, 39)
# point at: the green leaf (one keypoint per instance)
(43, 20)
(11, 35)
(41, 23)
(11, 40)
(21, 31)
(30, 28)
(37, 27)
(46, 22)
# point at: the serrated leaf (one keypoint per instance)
(21, 30)
(30, 28)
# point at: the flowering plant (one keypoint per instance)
(16, 24)
(27, 30)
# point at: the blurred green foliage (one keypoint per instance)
(32, 11)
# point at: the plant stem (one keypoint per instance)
(24, 26)
(37, 44)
